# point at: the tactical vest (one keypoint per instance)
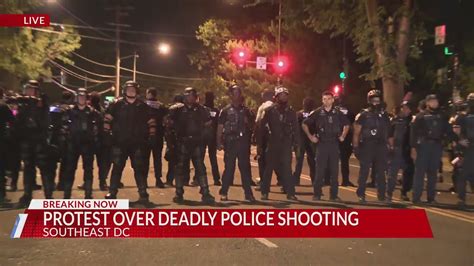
(400, 125)
(83, 126)
(433, 126)
(375, 127)
(328, 125)
(236, 124)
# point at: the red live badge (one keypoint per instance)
(24, 20)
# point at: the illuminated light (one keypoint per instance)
(281, 64)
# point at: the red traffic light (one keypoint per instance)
(337, 90)
(241, 56)
(281, 64)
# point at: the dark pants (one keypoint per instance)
(467, 173)
(344, 155)
(120, 154)
(372, 153)
(308, 149)
(211, 146)
(327, 160)
(157, 163)
(238, 149)
(400, 160)
(104, 161)
(13, 161)
(187, 151)
(427, 162)
(278, 158)
(35, 154)
(74, 151)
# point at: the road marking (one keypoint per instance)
(442, 212)
(266, 242)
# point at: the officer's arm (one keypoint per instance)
(345, 128)
(391, 133)
(414, 131)
(296, 131)
(261, 127)
(220, 128)
(357, 131)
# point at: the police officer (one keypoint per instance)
(306, 145)
(211, 138)
(465, 131)
(330, 126)
(132, 128)
(262, 133)
(81, 127)
(33, 124)
(103, 151)
(188, 120)
(399, 139)
(370, 143)
(233, 136)
(57, 113)
(158, 112)
(345, 147)
(428, 130)
(282, 125)
(6, 119)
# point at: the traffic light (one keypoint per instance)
(337, 90)
(448, 51)
(281, 64)
(342, 75)
(241, 56)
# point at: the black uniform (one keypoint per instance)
(32, 125)
(400, 157)
(282, 126)
(345, 147)
(188, 123)
(58, 113)
(158, 112)
(81, 128)
(467, 172)
(132, 129)
(103, 151)
(6, 119)
(210, 142)
(328, 126)
(306, 147)
(373, 148)
(237, 122)
(428, 130)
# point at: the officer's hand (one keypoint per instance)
(313, 139)
(464, 142)
(413, 154)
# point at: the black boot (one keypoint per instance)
(88, 189)
(103, 185)
(24, 201)
(111, 196)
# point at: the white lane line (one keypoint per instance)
(266, 242)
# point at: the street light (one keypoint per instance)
(164, 48)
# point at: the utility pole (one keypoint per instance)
(279, 36)
(135, 56)
(118, 14)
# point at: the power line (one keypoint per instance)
(89, 72)
(82, 21)
(138, 72)
(74, 74)
(92, 61)
(88, 37)
(62, 86)
(128, 31)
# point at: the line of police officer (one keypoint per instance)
(133, 128)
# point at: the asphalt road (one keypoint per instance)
(453, 228)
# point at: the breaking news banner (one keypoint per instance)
(114, 219)
(24, 20)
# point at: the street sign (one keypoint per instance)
(440, 34)
(261, 62)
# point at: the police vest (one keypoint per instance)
(400, 125)
(433, 126)
(375, 127)
(236, 124)
(328, 124)
(83, 125)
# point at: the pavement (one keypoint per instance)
(453, 229)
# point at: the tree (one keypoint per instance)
(384, 33)
(25, 52)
